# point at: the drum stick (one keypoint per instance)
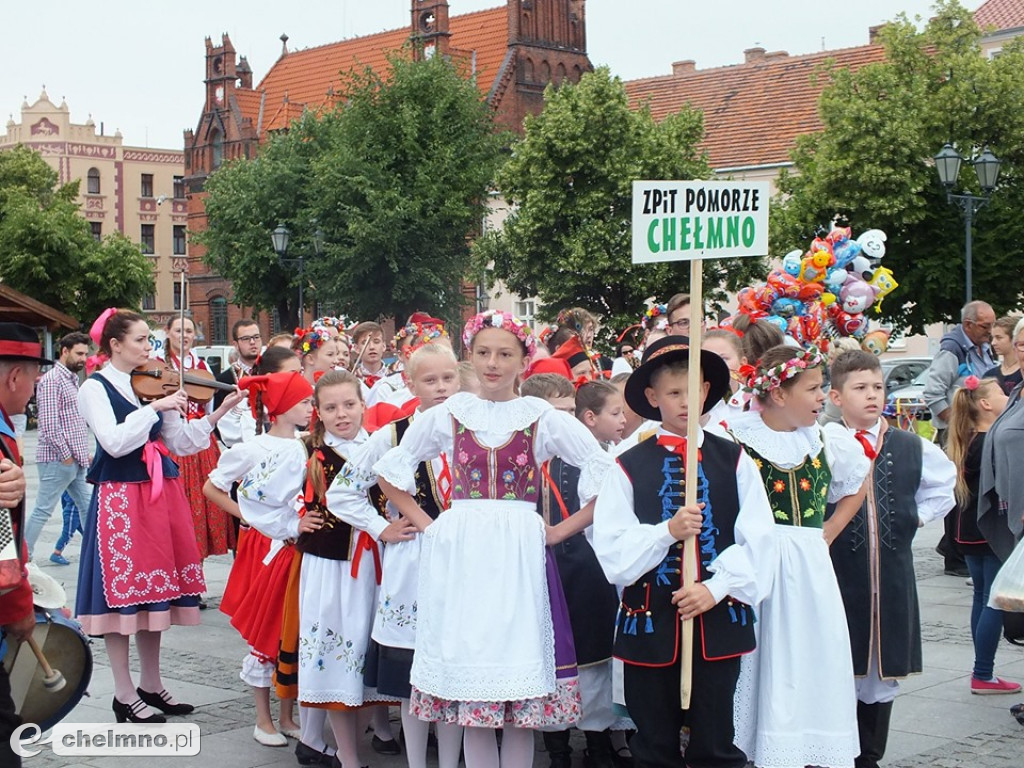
(53, 680)
(359, 357)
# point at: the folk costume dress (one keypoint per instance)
(796, 703)
(338, 577)
(352, 498)
(912, 484)
(254, 595)
(215, 534)
(140, 567)
(493, 642)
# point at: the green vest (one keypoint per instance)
(798, 496)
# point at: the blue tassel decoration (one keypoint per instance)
(732, 615)
(743, 617)
(649, 628)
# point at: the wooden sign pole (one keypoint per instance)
(689, 551)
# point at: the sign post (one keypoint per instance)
(692, 221)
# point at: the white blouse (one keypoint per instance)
(240, 458)
(934, 495)
(493, 423)
(181, 437)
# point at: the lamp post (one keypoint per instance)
(986, 166)
(280, 238)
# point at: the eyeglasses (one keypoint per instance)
(248, 339)
(683, 323)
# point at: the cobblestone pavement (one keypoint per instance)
(936, 720)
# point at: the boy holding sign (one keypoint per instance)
(640, 524)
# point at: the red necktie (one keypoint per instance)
(676, 445)
(863, 437)
(444, 482)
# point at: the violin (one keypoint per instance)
(158, 378)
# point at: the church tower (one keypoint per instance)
(430, 31)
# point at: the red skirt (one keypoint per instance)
(258, 616)
(214, 533)
(252, 548)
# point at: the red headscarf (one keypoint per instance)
(281, 391)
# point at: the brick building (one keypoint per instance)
(512, 51)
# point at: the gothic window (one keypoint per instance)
(560, 74)
(217, 146)
(93, 181)
(528, 71)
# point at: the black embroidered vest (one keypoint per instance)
(428, 496)
(647, 626)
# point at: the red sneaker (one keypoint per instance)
(984, 687)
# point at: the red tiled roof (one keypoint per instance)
(303, 78)
(248, 103)
(1000, 14)
(753, 112)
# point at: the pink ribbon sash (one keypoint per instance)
(152, 454)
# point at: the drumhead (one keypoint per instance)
(66, 650)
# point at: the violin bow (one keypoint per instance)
(181, 330)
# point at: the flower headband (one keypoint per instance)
(650, 322)
(506, 321)
(312, 339)
(420, 333)
(764, 380)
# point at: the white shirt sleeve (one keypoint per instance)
(625, 547)
(846, 460)
(429, 435)
(347, 498)
(269, 495)
(116, 439)
(744, 570)
(562, 435)
(184, 437)
(233, 465)
(934, 496)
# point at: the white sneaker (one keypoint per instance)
(274, 739)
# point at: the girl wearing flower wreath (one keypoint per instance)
(493, 646)
(795, 700)
(317, 351)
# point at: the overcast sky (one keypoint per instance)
(139, 66)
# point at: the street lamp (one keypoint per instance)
(986, 166)
(280, 237)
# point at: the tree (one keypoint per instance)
(246, 201)
(569, 184)
(49, 252)
(402, 186)
(396, 176)
(871, 164)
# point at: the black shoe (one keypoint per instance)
(306, 755)
(160, 701)
(957, 570)
(129, 713)
(381, 747)
(202, 604)
(621, 760)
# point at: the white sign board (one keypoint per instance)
(686, 220)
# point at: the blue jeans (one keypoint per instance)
(986, 623)
(55, 477)
(72, 522)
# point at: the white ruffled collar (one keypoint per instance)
(784, 449)
(490, 416)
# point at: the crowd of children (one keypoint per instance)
(498, 544)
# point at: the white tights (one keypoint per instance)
(449, 740)
(482, 748)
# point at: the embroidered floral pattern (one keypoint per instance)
(560, 708)
(401, 615)
(508, 472)
(798, 496)
(316, 651)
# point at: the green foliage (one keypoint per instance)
(396, 177)
(569, 183)
(871, 165)
(48, 249)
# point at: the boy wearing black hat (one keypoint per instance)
(640, 525)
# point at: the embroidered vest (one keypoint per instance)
(647, 626)
(798, 496)
(428, 495)
(507, 472)
(334, 541)
(129, 468)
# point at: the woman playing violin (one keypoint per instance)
(215, 534)
(140, 571)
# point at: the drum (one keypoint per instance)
(66, 649)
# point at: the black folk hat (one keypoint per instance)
(19, 342)
(670, 349)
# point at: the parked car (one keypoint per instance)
(218, 357)
(899, 372)
(909, 399)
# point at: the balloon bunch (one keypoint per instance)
(824, 293)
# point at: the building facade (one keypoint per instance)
(137, 191)
(512, 52)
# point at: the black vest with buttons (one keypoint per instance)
(885, 586)
(428, 496)
(647, 626)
